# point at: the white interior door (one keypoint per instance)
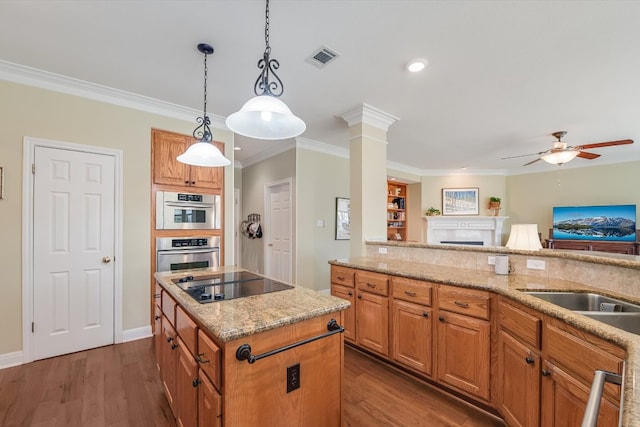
(278, 251)
(73, 247)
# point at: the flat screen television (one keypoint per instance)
(606, 223)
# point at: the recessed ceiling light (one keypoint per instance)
(236, 148)
(417, 65)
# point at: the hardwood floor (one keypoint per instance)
(377, 395)
(119, 385)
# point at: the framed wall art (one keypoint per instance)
(460, 201)
(343, 220)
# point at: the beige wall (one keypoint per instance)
(29, 111)
(254, 178)
(531, 197)
(320, 178)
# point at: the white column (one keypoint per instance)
(368, 175)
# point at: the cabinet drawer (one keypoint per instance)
(415, 291)
(169, 307)
(375, 283)
(342, 276)
(470, 302)
(187, 329)
(581, 353)
(209, 357)
(520, 324)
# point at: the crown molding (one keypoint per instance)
(365, 113)
(29, 76)
(321, 147)
(282, 146)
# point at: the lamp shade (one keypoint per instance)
(524, 236)
(265, 117)
(203, 154)
(560, 157)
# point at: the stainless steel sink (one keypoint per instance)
(620, 314)
(586, 302)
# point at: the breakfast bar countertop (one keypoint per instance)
(512, 286)
(240, 317)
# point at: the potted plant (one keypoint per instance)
(433, 211)
(494, 202)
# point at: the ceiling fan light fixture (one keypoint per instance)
(560, 157)
(204, 153)
(265, 116)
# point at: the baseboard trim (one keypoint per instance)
(137, 333)
(9, 360)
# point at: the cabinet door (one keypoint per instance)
(349, 320)
(157, 334)
(166, 169)
(564, 399)
(169, 361)
(205, 177)
(518, 378)
(412, 331)
(186, 391)
(372, 322)
(209, 403)
(463, 353)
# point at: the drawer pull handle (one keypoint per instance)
(340, 278)
(244, 351)
(359, 296)
(196, 382)
(461, 304)
(350, 293)
(411, 294)
(441, 318)
(199, 359)
(425, 314)
(169, 339)
(546, 373)
(174, 346)
(156, 317)
(529, 360)
(371, 285)
(156, 296)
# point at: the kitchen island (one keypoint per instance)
(534, 342)
(270, 359)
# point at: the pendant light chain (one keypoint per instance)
(203, 132)
(205, 84)
(264, 85)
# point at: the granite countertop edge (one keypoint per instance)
(513, 286)
(238, 318)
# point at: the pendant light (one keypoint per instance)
(265, 116)
(204, 153)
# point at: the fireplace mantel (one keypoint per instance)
(471, 230)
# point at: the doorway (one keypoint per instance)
(278, 231)
(71, 248)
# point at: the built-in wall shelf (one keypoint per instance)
(396, 211)
(464, 230)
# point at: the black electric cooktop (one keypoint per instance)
(225, 286)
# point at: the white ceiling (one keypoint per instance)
(502, 75)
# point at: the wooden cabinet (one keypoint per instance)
(187, 381)
(166, 146)
(570, 358)
(342, 286)
(209, 403)
(372, 312)
(169, 361)
(412, 324)
(396, 211)
(464, 340)
(519, 365)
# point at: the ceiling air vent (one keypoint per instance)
(322, 56)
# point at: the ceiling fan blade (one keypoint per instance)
(523, 155)
(605, 144)
(588, 156)
(531, 162)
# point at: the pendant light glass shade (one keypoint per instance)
(560, 157)
(265, 117)
(203, 154)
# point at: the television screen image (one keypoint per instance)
(606, 223)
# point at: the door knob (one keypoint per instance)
(106, 259)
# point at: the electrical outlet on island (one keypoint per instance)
(535, 264)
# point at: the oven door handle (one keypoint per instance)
(189, 205)
(188, 251)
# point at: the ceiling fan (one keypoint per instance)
(562, 153)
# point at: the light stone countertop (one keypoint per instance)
(241, 317)
(512, 286)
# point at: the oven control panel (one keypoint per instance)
(176, 243)
(190, 242)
